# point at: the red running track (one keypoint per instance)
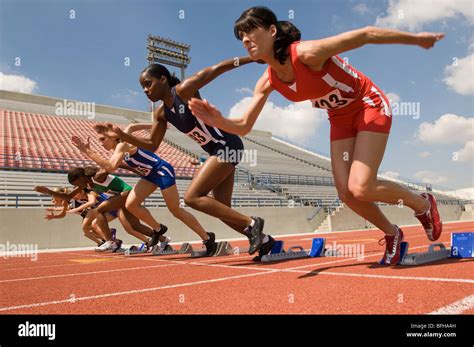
(84, 282)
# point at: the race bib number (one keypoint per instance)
(143, 171)
(199, 136)
(331, 101)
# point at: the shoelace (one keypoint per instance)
(384, 241)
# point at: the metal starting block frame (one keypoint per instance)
(186, 248)
(317, 250)
(133, 250)
(430, 256)
(223, 248)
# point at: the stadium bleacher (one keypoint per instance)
(26, 137)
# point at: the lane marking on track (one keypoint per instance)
(264, 272)
(457, 307)
(84, 273)
(89, 260)
(296, 270)
(58, 265)
(108, 295)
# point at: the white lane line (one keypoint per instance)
(296, 270)
(264, 271)
(414, 278)
(108, 295)
(457, 307)
(62, 265)
(84, 273)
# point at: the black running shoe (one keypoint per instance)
(118, 245)
(155, 237)
(265, 249)
(256, 235)
(210, 244)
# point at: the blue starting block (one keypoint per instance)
(297, 252)
(462, 245)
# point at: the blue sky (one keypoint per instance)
(83, 59)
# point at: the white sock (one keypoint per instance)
(265, 239)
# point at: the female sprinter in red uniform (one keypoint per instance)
(359, 112)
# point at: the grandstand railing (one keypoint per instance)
(54, 164)
(272, 178)
(42, 201)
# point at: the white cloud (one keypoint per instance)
(412, 15)
(128, 96)
(361, 9)
(297, 122)
(426, 176)
(466, 154)
(424, 154)
(459, 77)
(390, 174)
(470, 42)
(17, 83)
(449, 128)
(244, 90)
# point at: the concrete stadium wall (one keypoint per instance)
(468, 213)
(346, 219)
(27, 226)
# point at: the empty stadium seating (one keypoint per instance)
(34, 141)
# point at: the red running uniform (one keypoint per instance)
(353, 101)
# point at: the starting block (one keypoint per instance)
(223, 248)
(430, 256)
(317, 250)
(185, 248)
(462, 245)
(133, 250)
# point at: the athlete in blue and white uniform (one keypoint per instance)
(155, 172)
(152, 168)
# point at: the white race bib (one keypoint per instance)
(143, 170)
(331, 101)
(199, 136)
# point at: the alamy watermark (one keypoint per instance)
(406, 108)
(248, 156)
(75, 108)
(347, 250)
(19, 250)
(37, 330)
